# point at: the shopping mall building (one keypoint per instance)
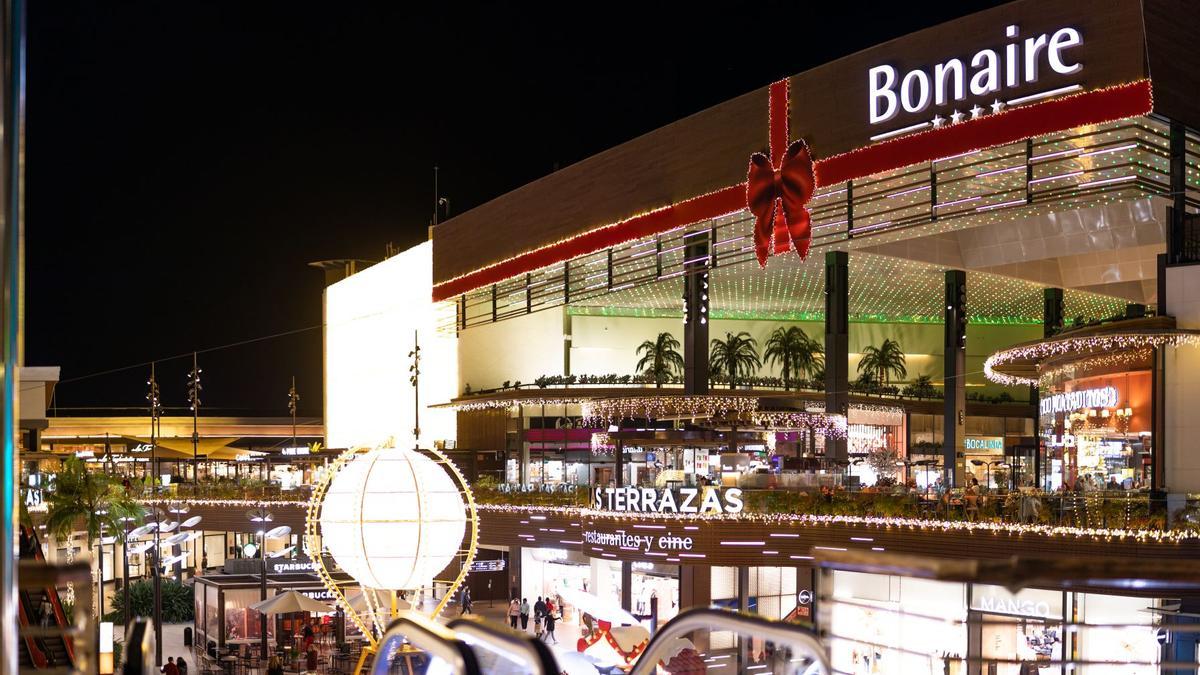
(1007, 200)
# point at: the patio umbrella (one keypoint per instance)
(290, 602)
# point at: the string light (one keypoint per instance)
(1084, 344)
(1052, 374)
(600, 412)
(864, 161)
(508, 403)
(802, 521)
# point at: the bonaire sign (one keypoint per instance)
(682, 500)
(987, 73)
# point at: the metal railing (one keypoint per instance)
(861, 629)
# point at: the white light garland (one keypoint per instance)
(809, 520)
(509, 403)
(1084, 344)
(601, 412)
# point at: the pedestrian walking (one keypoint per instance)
(46, 611)
(514, 612)
(550, 621)
(524, 613)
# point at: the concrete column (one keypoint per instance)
(743, 641)
(837, 344)
(695, 316)
(626, 585)
(514, 570)
(955, 411)
(566, 341)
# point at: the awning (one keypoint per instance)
(181, 448)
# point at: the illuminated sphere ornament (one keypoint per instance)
(393, 518)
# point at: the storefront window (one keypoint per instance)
(885, 624)
(550, 573)
(1025, 627)
(1120, 631)
(1095, 432)
(242, 624)
(655, 592)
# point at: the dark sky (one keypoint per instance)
(185, 160)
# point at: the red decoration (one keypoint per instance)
(776, 196)
(1092, 107)
(779, 184)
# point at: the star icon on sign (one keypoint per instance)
(938, 121)
(976, 112)
(997, 105)
(956, 117)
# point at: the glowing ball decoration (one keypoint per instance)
(393, 518)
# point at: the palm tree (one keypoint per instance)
(810, 359)
(94, 499)
(736, 356)
(781, 348)
(884, 361)
(795, 352)
(662, 358)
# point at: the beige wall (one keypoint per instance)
(532, 345)
(1182, 386)
(520, 348)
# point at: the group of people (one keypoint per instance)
(546, 614)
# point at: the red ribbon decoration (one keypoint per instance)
(778, 186)
(776, 196)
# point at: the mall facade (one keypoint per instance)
(986, 234)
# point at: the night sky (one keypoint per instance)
(186, 160)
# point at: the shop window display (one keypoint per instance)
(1095, 432)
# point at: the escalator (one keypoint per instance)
(48, 651)
(415, 645)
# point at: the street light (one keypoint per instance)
(261, 517)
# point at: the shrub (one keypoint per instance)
(178, 604)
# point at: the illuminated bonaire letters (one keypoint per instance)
(987, 72)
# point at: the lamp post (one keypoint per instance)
(293, 400)
(155, 403)
(261, 517)
(194, 388)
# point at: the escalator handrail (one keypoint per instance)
(533, 651)
(428, 636)
(35, 653)
(777, 632)
(51, 592)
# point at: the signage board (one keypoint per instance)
(666, 500)
(1099, 397)
(644, 542)
(993, 71)
(495, 565)
(983, 443)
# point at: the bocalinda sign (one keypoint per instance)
(655, 500)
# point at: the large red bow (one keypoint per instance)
(791, 184)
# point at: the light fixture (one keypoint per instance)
(392, 518)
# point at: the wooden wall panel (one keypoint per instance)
(709, 150)
(482, 429)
